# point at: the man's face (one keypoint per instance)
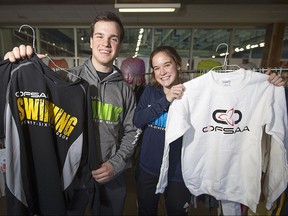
(105, 45)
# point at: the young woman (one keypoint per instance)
(151, 114)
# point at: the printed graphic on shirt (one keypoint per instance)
(160, 122)
(39, 111)
(106, 112)
(224, 117)
(229, 117)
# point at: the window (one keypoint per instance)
(57, 41)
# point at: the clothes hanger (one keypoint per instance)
(224, 67)
(46, 55)
(34, 35)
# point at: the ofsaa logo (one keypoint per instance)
(230, 118)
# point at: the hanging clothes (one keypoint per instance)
(221, 116)
(47, 137)
(281, 204)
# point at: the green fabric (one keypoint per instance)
(207, 64)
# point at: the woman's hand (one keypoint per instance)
(175, 92)
(274, 79)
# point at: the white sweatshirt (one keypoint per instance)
(221, 117)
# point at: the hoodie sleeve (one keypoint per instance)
(150, 106)
(130, 136)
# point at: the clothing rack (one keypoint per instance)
(261, 70)
(191, 74)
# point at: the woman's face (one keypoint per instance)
(165, 70)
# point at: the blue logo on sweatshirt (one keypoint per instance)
(160, 121)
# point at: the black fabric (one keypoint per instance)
(147, 200)
(5, 77)
(179, 205)
(47, 140)
(103, 75)
(113, 195)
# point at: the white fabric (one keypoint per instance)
(230, 208)
(221, 117)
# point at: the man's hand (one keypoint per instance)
(274, 78)
(104, 173)
(20, 52)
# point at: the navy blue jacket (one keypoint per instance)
(151, 115)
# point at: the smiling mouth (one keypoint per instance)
(165, 78)
(105, 52)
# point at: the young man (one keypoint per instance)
(113, 105)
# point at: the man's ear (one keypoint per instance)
(91, 42)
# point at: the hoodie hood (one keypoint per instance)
(92, 73)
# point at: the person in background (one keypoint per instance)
(151, 114)
(115, 131)
(133, 70)
(246, 63)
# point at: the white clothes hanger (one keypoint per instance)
(224, 67)
(34, 35)
(46, 55)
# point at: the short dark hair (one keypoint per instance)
(107, 16)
